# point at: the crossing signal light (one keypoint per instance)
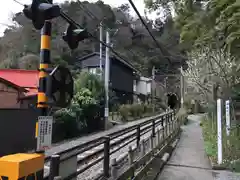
(72, 36)
(39, 12)
(60, 87)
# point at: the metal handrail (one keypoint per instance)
(100, 153)
(112, 135)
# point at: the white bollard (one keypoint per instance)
(219, 130)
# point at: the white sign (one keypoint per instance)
(227, 105)
(219, 132)
(44, 139)
(106, 112)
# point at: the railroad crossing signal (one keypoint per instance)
(72, 36)
(40, 11)
(60, 86)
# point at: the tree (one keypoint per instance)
(208, 68)
(29, 62)
(131, 40)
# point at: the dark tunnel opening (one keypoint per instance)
(172, 100)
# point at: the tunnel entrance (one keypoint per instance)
(172, 100)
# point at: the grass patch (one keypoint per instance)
(231, 144)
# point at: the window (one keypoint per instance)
(94, 71)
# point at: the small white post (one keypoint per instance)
(227, 106)
(219, 130)
(100, 51)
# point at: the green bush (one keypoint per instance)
(124, 111)
(134, 111)
(182, 115)
(67, 124)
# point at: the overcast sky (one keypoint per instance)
(9, 7)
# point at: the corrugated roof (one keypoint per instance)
(27, 79)
(20, 77)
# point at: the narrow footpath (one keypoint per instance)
(189, 161)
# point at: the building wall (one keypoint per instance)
(17, 130)
(121, 77)
(8, 96)
(93, 61)
(29, 102)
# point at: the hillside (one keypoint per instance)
(20, 44)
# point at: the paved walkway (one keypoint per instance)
(189, 161)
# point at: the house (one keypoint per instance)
(142, 89)
(18, 88)
(122, 74)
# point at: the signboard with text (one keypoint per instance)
(44, 139)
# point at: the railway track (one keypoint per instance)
(90, 154)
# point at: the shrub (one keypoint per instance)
(182, 115)
(124, 111)
(134, 110)
(66, 124)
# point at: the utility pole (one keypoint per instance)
(106, 79)
(100, 51)
(182, 86)
(154, 87)
(44, 65)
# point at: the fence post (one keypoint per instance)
(143, 149)
(130, 159)
(138, 135)
(172, 120)
(153, 128)
(151, 142)
(171, 123)
(158, 137)
(106, 156)
(162, 121)
(114, 168)
(166, 124)
(169, 120)
(57, 178)
(54, 167)
(163, 131)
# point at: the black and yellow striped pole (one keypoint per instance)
(45, 61)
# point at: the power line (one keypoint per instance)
(92, 15)
(18, 2)
(7, 25)
(150, 33)
(71, 21)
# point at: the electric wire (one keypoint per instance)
(18, 2)
(92, 15)
(147, 28)
(73, 22)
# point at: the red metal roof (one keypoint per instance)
(27, 79)
(20, 77)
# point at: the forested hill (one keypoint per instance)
(19, 47)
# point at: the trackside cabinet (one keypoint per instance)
(22, 167)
